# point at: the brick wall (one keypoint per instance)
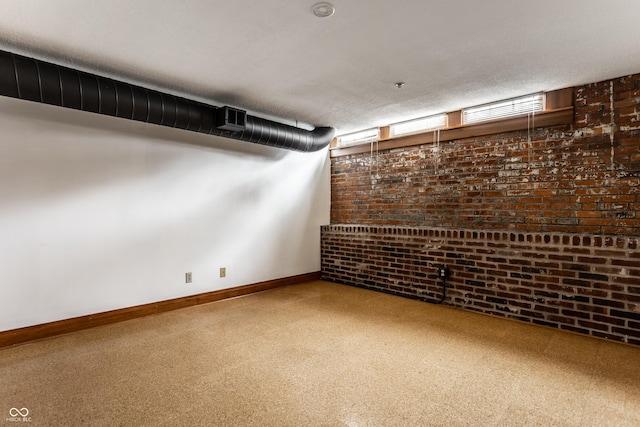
(583, 283)
(582, 178)
(544, 232)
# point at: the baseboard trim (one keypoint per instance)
(60, 327)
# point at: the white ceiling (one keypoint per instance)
(276, 59)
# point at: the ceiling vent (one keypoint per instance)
(231, 119)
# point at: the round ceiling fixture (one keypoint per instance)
(323, 9)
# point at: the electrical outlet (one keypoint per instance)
(443, 272)
(223, 271)
(187, 277)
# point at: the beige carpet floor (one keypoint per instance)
(321, 354)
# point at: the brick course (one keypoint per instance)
(538, 225)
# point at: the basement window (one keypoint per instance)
(357, 138)
(420, 125)
(502, 109)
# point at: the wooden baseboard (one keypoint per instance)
(48, 330)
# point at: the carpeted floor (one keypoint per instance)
(322, 354)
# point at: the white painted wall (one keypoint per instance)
(99, 213)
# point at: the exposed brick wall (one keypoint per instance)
(545, 232)
(583, 283)
(582, 178)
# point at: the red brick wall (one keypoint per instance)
(576, 179)
(583, 283)
(545, 232)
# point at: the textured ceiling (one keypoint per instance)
(276, 59)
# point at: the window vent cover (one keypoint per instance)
(423, 124)
(357, 138)
(501, 109)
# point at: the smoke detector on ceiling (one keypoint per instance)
(323, 9)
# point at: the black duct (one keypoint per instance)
(34, 80)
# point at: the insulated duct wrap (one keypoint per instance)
(34, 80)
